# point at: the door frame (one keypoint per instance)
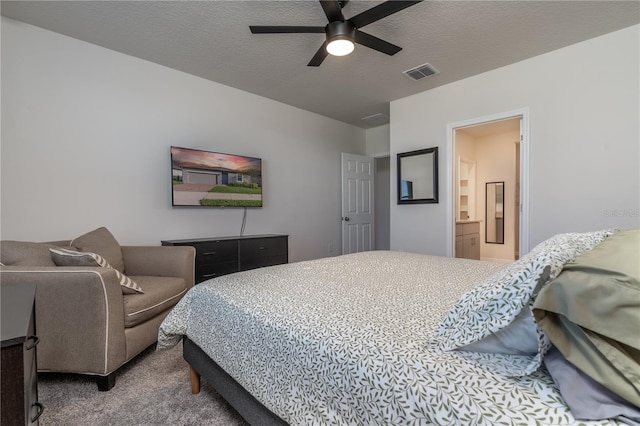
(523, 114)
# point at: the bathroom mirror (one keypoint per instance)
(494, 228)
(418, 176)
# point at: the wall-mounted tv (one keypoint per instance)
(214, 179)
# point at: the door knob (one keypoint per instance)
(346, 219)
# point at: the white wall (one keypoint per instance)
(584, 138)
(86, 134)
(378, 141)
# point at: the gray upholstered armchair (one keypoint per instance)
(88, 322)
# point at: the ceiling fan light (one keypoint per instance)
(340, 38)
(340, 47)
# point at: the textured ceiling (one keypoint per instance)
(211, 39)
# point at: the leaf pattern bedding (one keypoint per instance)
(352, 340)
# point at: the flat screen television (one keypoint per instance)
(213, 179)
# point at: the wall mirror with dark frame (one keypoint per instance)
(418, 176)
(494, 223)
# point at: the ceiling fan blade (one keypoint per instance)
(333, 10)
(376, 43)
(319, 56)
(275, 29)
(380, 11)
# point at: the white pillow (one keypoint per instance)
(492, 306)
(64, 257)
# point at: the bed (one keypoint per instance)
(386, 337)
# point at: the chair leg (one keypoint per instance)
(105, 383)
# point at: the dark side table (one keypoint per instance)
(19, 373)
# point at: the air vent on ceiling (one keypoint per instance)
(376, 119)
(421, 71)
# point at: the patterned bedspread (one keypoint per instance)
(350, 340)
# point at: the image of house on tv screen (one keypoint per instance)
(204, 178)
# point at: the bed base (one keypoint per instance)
(238, 397)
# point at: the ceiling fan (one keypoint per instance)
(341, 34)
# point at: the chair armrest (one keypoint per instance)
(79, 317)
(161, 261)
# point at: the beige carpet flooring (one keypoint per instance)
(152, 389)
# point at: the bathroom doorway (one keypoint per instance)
(486, 174)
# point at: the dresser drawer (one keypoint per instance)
(205, 271)
(258, 253)
(260, 262)
(263, 247)
(470, 228)
(216, 251)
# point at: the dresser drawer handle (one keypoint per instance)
(35, 340)
(262, 248)
(40, 411)
(209, 253)
(209, 275)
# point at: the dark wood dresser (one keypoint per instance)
(224, 255)
(20, 404)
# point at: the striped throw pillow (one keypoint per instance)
(64, 257)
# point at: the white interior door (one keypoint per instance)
(357, 203)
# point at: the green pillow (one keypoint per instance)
(591, 313)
